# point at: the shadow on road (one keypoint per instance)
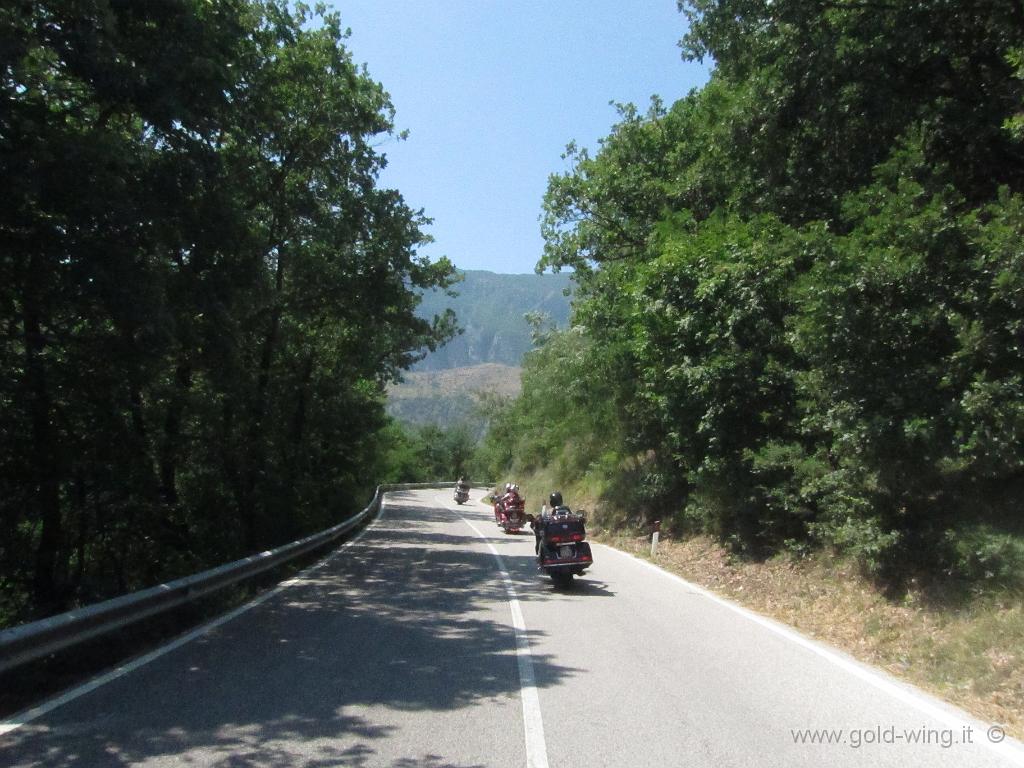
(412, 618)
(531, 583)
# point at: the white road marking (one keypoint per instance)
(533, 724)
(1008, 748)
(22, 718)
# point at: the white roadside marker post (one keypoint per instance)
(654, 538)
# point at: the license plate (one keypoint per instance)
(564, 552)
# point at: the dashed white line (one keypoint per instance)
(533, 724)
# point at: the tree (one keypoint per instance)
(802, 278)
(204, 288)
(839, 83)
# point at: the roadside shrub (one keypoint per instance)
(984, 557)
(865, 539)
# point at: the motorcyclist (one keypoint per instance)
(557, 505)
(510, 496)
(499, 502)
(461, 490)
(554, 508)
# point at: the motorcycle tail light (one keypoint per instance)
(577, 537)
(556, 539)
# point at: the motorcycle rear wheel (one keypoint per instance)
(561, 578)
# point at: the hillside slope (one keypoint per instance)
(451, 396)
(491, 308)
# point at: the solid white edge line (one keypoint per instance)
(1009, 748)
(23, 718)
(533, 723)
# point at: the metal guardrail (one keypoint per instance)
(28, 642)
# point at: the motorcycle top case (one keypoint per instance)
(564, 529)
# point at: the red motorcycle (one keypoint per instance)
(510, 512)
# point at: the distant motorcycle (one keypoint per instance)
(562, 549)
(461, 494)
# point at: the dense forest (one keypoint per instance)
(203, 289)
(799, 320)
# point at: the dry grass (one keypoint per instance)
(970, 656)
(504, 380)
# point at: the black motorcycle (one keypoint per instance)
(562, 549)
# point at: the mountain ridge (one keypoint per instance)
(491, 309)
(445, 387)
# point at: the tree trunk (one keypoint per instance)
(256, 444)
(45, 465)
(301, 407)
(170, 449)
(82, 538)
(229, 458)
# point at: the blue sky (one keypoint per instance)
(491, 92)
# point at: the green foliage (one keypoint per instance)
(868, 539)
(426, 453)
(203, 290)
(561, 401)
(984, 555)
(834, 86)
(1015, 123)
(801, 287)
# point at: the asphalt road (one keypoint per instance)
(432, 640)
